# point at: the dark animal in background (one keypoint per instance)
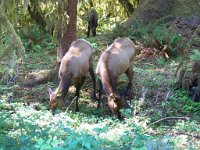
(117, 59)
(92, 22)
(74, 67)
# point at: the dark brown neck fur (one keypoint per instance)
(64, 86)
(107, 77)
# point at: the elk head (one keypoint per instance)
(115, 104)
(55, 99)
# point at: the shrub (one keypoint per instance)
(195, 56)
(155, 35)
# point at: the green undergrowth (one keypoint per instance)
(26, 122)
(156, 35)
(23, 127)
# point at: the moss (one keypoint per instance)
(41, 77)
(151, 10)
(11, 31)
(186, 7)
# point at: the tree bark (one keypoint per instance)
(70, 35)
(91, 3)
(189, 80)
(127, 6)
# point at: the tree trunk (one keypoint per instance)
(36, 14)
(127, 6)
(189, 80)
(70, 35)
(91, 3)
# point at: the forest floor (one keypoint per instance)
(165, 118)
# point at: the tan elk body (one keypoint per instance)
(117, 59)
(74, 67)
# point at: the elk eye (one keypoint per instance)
(115, 100)
(58, 96)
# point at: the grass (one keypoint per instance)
(27, 123)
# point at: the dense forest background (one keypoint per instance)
(164, 110)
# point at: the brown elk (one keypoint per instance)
(74, 67)
(117, 59)
(92, 22)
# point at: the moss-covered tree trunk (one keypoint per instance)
(195, 88)
(11, 31)
(189, 79)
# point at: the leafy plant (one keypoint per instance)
(160, 61)
(181, 102)
(195, 55)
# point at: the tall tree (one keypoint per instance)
(66, 34)
(70, 33)
(10, 31)
(36, 13)
(129, 8)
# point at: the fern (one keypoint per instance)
(195, 55)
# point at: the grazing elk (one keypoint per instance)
(74, 67)
(117, 59)
(92, 22)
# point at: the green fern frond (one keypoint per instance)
(195, 55)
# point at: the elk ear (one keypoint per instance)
(49, 89)
(58, 92)
(58, 95)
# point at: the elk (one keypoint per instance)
(74, 67)
(117, 59)
(92, 22)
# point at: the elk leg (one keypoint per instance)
(129, 74)
(93, 31)
(64, 85)
(100, 93)
(88, 33)
(78, 88)
(91, 70)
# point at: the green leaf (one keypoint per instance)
(40, 141)
(46, 147)
(87, 145)
(195, 55)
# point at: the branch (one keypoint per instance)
(179, 133)
(195, 136)
(144, 92)
(183, 118)
(167, 96)
(71, 103)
